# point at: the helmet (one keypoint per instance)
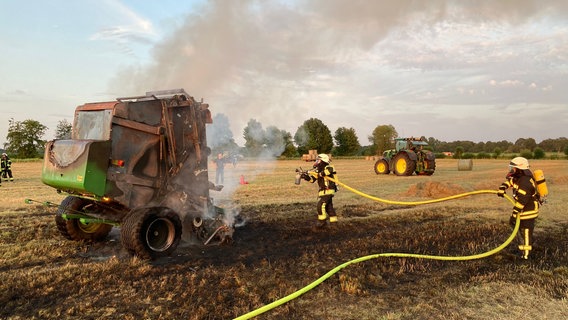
(519, 163)
(323, 157)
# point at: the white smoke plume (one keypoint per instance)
(270, 60)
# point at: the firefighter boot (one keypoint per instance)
(525, 250)
(322, 218)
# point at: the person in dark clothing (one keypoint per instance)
(220, 169)
(6, 167)
(327, 188)
(520, 180)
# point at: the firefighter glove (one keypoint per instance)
(306, 176)
(501, 191)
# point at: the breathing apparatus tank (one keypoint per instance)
(541, 187)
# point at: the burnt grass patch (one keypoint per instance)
(276, 252)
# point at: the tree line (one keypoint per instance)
(314, 134)
(24, 140)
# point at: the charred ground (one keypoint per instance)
(269, 260)
(277, 251)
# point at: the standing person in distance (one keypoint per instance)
(6, 167)
(520, 180)
(220, 169)
(327, 188)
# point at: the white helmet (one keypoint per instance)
(323, 157)
(519, 163)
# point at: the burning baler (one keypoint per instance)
(139, 163)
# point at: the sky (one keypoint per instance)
(451, 70)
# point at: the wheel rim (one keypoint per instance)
(87, 227)
(160, 234)
(401, 165)
(381, 167)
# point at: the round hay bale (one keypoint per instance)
(465, 165)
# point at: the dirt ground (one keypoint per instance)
(277, 251)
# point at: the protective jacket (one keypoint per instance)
(524, 194)
(5, 164)
(326, 187)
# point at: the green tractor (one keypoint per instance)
(407, 158)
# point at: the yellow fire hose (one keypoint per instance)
(412, 203)
(312, 285)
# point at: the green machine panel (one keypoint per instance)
(77, 166)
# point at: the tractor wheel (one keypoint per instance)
(151, 233)
(382, 167)
(75, 229)
(402, 164)
(428, 168)
(429, 164)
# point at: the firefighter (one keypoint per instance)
(6, 167)
(520, 180)
(327, 189)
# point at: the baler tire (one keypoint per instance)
(74, 229)
(402, 165)
(151, 233)
(382, 167)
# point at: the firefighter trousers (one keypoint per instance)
(325, 208)
(7, 174)
(525, 235)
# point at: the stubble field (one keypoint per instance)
(276, 252)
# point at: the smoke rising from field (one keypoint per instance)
(282, 62)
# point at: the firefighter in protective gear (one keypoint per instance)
(6, 167)
(520, 180)
(327, 189)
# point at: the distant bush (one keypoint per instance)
(497, 152)
(539, 153)
(468, 156)
(483, 155)
(526, 154)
